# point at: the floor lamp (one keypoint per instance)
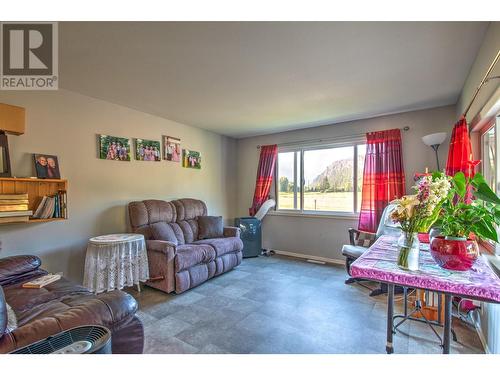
(434, 140)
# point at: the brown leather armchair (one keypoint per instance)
(59, 306)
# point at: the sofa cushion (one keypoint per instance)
(210, 227)
(163, 232)
(223, 245)
(189, 230)
(188, 209)
(188, 256)
(151, 211)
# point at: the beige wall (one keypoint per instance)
(323, 237)
(487, 52)
(65, 124)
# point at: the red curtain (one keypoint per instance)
(460, 159)
(383, 176)
(265, 175)
(460, 152)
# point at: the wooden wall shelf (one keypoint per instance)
(36, 189)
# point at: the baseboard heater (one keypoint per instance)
(315, 261)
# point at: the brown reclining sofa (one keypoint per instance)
(59, 306)
(178, 259)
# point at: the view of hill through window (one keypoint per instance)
(328, 180)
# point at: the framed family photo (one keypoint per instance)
(147, 150)
(114, 148)
(46, 166)
(191, 159)
(172, 148)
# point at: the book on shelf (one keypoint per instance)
(23, 196)
(64, 210)
(52, 206)
(61, 204)
(40, 206)
(57, 212)
(42, 281)
(48, 209)
(13, 201)
(16, 213)
(14, 219)
(13, 207)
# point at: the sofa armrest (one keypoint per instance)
(161, 259)
(14, 267)
(165, 247)
(232, 232)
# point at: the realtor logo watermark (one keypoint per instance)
(29, 56)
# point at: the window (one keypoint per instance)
(288, 181)
(489, 156)
(490, 148)
(321, 179)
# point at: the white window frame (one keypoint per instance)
(299, 196)
(493, 125)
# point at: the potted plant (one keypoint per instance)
(469, 212)
(416, 213)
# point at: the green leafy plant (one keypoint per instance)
(471, 207)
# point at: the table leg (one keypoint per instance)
(390, 313)
(447, 323)
(139, 286)
(440, 308)
(405, 296)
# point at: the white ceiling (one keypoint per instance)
(242, 79)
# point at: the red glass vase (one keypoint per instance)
(457, 255)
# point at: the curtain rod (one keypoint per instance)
(483, 81)
(406, 128)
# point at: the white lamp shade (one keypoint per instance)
(434, 139)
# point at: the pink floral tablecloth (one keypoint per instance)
(379, 263)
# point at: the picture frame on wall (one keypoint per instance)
(147, 150)
(114, 148)
(46, 166)
(171, 148)
(191, 159)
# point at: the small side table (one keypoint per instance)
(114, 261)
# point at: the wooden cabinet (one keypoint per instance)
(12, 119)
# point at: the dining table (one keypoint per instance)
(379, 263)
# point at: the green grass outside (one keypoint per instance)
(316, 201)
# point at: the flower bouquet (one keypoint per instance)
(416, 213)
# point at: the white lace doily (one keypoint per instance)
(115, 261)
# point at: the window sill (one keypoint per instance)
(316, 215)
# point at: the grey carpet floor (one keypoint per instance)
(281, 305)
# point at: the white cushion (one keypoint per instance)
(353, 251)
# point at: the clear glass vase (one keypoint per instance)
(408, 246)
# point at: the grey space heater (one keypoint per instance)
(251, 231)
